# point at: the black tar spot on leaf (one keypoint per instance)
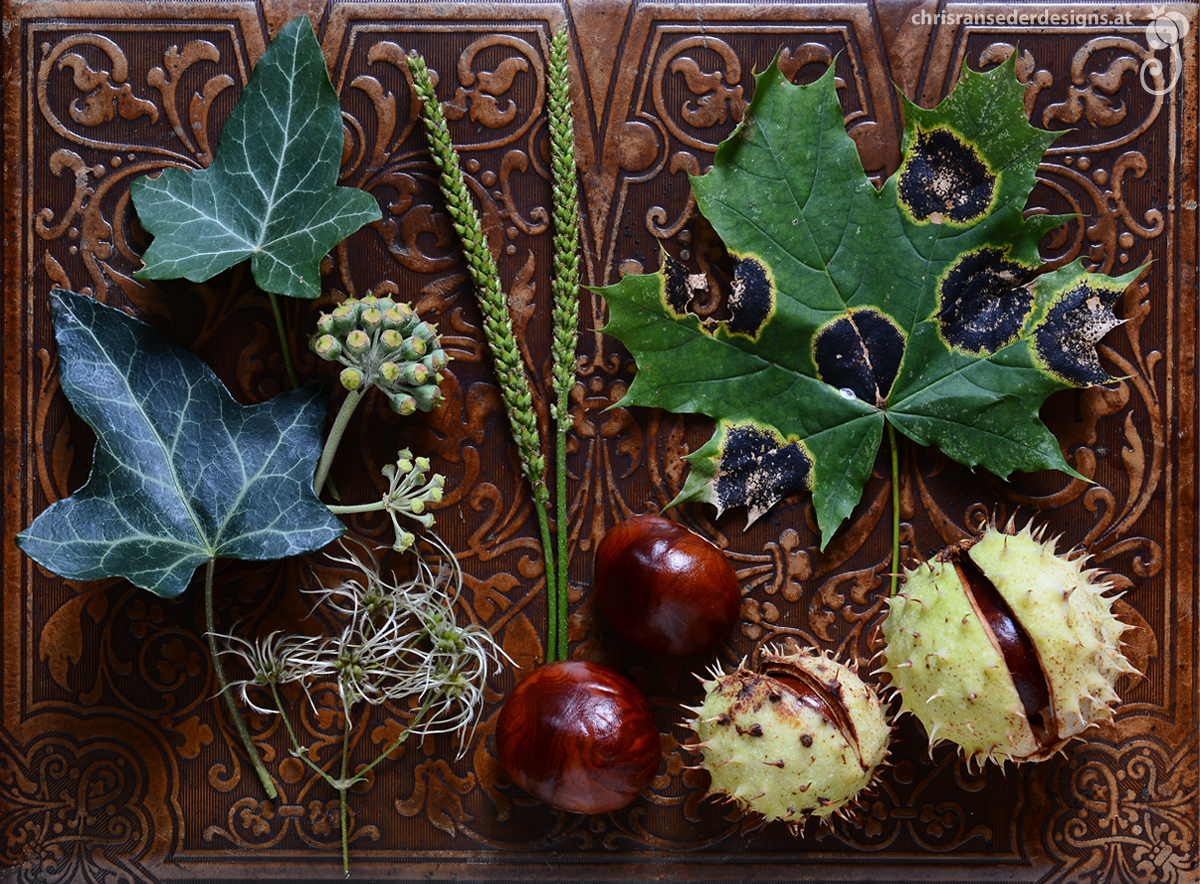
(756, 470)
(861, 352)
(945, 176)
(1066, 341)
(752, 299)
(984, 301)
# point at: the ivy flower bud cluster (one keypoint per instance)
(409, 494)
(385, 344)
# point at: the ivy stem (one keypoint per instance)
(349, 509)
(284, 350)
(335, 436)
(235, 714)
(895, 509)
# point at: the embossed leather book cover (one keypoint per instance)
(117, 763)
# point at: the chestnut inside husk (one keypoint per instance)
(1003, 647)
(798, 736)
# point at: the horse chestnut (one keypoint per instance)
(1005, 647)
(799, 736)
(664, 588)
(578, 736)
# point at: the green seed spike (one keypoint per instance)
(565, 285)
(565, 313)
(497, 321)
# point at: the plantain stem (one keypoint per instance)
(498, 329)
(565, 287)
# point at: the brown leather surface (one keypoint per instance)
(115, 764)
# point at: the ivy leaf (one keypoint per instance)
(923, 303)
(270, 193)
(182, 473)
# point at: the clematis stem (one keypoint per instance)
(895, 509)
(284, 350)
(343, 788)
(235, 714)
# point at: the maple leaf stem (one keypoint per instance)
(895, 509)
(235, 714)
(284, 350)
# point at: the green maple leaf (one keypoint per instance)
(270, 193)
(923, 303)
(182, 474)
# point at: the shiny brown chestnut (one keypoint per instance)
(664, 588)
(578, 736)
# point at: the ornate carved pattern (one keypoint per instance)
(1125, 812)
(114, 760)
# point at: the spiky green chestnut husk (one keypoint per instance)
(950, 667)
(800, 736)
(386, 345)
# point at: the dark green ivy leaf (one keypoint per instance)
(923, 303)
(270, 194)
(182, 473)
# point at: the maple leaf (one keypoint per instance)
(182, 474)
(270, 193)
(923, 303)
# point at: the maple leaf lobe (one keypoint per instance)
(1075, 322)
(759, 468)
(747, 464)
